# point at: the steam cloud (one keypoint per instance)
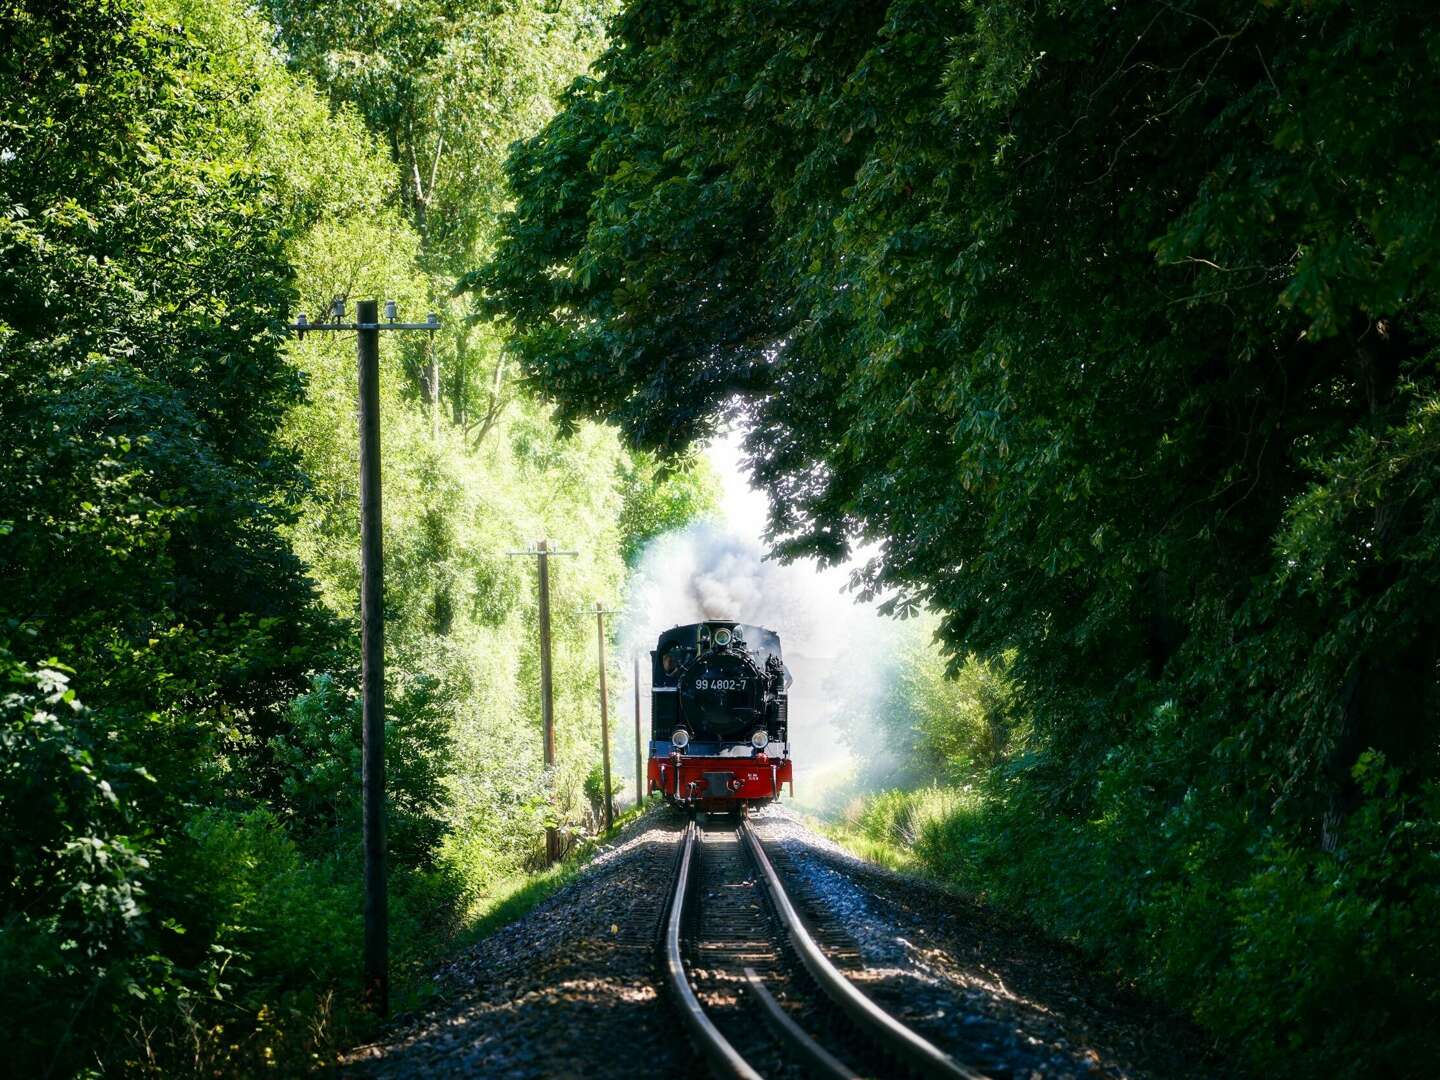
(840, 652)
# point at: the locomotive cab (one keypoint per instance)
(719, 715)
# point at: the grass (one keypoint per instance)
(880, 852)
(903, 830)
(512, 898)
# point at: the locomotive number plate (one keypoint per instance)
(719, 684)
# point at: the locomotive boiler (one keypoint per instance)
(719, 728)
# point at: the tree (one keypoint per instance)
(1113, 329)
(447, 87)
(143, 383)
(1082, 315)
(143, 502)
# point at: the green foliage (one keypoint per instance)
(278, 937)
(177, 539)
(1114, 331)
(319, 760)
(511, 898)
(662, 496)
(913, 718)
(142, 384)
(932, 719)
(906, 821)
(899, 299)
(448, 87)
(967, 714)
(73, 858)
(444, 88)
(142, 379)
(1293, 954)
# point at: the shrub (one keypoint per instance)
(74, 864)
(1293, 954)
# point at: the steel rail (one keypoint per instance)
(724, 1059)
(921, 1055)
(820, 1061)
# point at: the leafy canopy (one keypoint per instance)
(1111, 330)
(1112, 327)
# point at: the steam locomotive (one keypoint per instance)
(719, 717)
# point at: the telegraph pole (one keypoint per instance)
(367, 327)
(547, 689)
(542, 554)
(372, 667)
(639, 775)
(600, 612)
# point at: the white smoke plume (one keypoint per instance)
(840, 652)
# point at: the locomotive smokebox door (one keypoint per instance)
(717, 785)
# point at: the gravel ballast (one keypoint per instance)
(984, 986)
(570, 990)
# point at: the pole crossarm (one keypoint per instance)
(306, 327)
(302, 324)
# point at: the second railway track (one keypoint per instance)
(758, 996)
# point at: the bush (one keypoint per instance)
(1293, 954)
(268, 940)
(319, 756)
(74, 864)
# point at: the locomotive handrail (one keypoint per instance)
(723, 1057)
(916, 1051)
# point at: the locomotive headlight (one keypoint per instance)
(760, 739)
(680, 738)
(722, 637)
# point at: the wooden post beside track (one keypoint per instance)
(372, 663)
(604, 715)
(542, 552)
(547, 697)
(375, 983)
(600, 612)
(639, 771)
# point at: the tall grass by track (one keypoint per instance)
(514, 896)
(1305, 962)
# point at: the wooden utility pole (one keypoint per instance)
(604, 716)
(367, 327)
(372, 664)
(547, 688)
(600, 612)
(639, 773)
(542, 554)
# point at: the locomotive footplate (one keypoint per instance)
(719, 783)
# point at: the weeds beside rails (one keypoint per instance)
(515, 896)
(1303, 962)
(901, 830)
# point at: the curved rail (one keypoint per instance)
(915, 1051)
(722, 1056)
(818, 1060)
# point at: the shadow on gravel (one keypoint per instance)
(567, 991)
(570, 990)
(983, 985)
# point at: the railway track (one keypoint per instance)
(748, 949)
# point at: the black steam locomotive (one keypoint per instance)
(719, 716)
